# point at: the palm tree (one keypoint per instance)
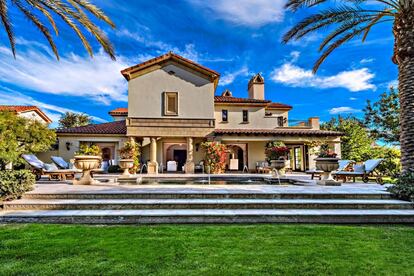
(354, 18)
(72, 12)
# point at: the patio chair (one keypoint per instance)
(262, 167)
(367, 171)
(199, 167)
(343, 165)
(40, 168)
(171, 166)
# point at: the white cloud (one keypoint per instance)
(367, 60)
(294, 56)
(189, 50)
(295, 76)
(12, 97)
(254, 13)
(229, 77)
(98, 78)
(343, 109)
(353, 99)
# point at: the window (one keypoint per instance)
(280, 121)
(245, 116)
(224, 115)
(171, 103)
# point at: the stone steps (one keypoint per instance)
(217, 203)
(237, 204)
(209, 216)
(208, 195)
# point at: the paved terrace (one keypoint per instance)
(53, 187)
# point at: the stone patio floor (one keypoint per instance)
(52, 187)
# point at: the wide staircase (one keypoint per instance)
(207, 207)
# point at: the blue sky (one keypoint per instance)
(237, 40)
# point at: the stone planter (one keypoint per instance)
(327, 165)
(126, 164)
(87, 163)
(278, 165)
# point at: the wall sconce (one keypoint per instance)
(197, 146)
(68, 145)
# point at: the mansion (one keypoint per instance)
(173, 107)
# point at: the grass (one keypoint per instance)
(206, 250)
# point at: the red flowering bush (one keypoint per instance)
(276, 150)
(215, 156)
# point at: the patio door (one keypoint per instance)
(297, 158)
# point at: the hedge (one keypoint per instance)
(13, 184)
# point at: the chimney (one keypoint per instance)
(256, 88)
(314, 122)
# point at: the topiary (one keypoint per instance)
(404, 187)
(13, 184)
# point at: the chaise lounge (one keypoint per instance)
(343, 165)
(40, 168)
(367, 170)
(62, 164)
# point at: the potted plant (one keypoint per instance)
(327, 162)
(127, 153)
(277, 153)
(215, 157)
(88, 158)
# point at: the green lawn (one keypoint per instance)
(206, 250)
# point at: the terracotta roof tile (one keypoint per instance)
(123, 111)
(278, 106)
(117, 127)
(169, 56)
(227, 99)
(25, 108)
(281, 131)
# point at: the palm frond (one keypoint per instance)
(82, 18)
(95, 11)
(36, 21)
(68, 20)
(45, 12)
(7, 25)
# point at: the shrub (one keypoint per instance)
(404, 187)
(215, 158)
(128, 150)
(92, 150)
(276, 150)
(13, 184)
(391, 166)
(114, 169)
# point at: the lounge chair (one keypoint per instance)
(39, 168)
(367, 171)
(343, 164)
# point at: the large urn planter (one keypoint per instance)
(87, 163)
(278, 165)
(327, 165)
(126, 164)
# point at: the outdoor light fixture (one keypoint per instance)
(68, 144)
(197, 146)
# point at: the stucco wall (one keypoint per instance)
(195, 94)
(32, 115)
(75, 142)
(257, 118)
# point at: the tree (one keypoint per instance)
(70, 119)
(20, 135)
(356, 143)
(71, 12)
(352, 19)
(383, 117)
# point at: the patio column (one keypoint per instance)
(189, 165)
(153, 164)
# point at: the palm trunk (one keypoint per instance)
(404, 57)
